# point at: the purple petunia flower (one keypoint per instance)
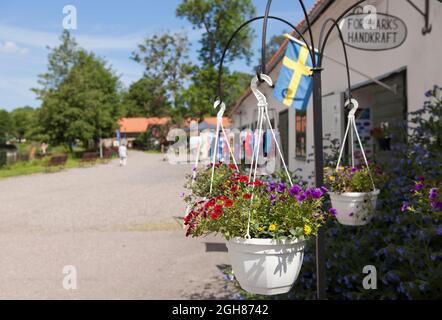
(281, 187)
(354, 170)
(295, 190)
(419, 186)
(433, 194)
(272, 187)
(405, 207)
(333, 212)
(325, 189)
(316, 193)
(301, 197)
(437, 205)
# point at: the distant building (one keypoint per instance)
(131, 128)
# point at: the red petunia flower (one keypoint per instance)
(228, 203)
(244, 179)
(247, 196)
(232, 166)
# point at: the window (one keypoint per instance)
(301, 134)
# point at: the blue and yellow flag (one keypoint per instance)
(295, 84)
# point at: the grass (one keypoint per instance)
(22, 168)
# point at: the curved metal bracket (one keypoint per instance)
(262, 100)
(222, 109)
(355, 105)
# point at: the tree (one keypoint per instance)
(60, 61)
(5, 126)
(219, 19)
(146, 98)
(22, 121)
(202, 91)
(167, 66)
(84, 105)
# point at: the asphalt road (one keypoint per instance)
(117, 226)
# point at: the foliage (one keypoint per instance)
(219, 19)
(277, 211)
(60, 61)
(146, 97)
(167, 68)
(154, 137)
(204, 89)
(82, 100)
(22, 122)
(5, 126)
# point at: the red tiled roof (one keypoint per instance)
(212, 121)
(139, 125)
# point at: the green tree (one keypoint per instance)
(201, 92)
(219, 19)
(84, 105)
(5, 126)
(146, 98)
(60, 60)
(166, 62)
(22, 122)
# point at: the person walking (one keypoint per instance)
(122, 152)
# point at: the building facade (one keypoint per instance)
(407, 72)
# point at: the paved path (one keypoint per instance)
(115, 225)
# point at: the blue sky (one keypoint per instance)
(112, 29)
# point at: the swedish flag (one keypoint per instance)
(295, 84)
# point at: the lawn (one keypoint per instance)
(36, 166)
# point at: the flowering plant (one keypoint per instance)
(352, 179)
(424, 198)
(277, 211)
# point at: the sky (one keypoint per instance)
(112, 29)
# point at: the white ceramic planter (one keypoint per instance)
(354, 208)
(265, 266)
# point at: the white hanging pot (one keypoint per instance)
(266, 266)
(354, 208)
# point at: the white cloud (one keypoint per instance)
(12, 47)
(41, 39)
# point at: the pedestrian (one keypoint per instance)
(122, 152)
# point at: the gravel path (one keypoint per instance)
(117, 225)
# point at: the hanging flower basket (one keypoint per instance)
(354, 208)
(266, 266)
(264, 222)
(352, 189)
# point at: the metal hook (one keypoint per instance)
(262, 100)
(355, 105)
(222, 109)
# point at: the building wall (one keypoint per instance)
(420, 55)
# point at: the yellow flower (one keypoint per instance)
(272, 227)
(307, 230)
(332, 178)
(260, 229)
(341, 169)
